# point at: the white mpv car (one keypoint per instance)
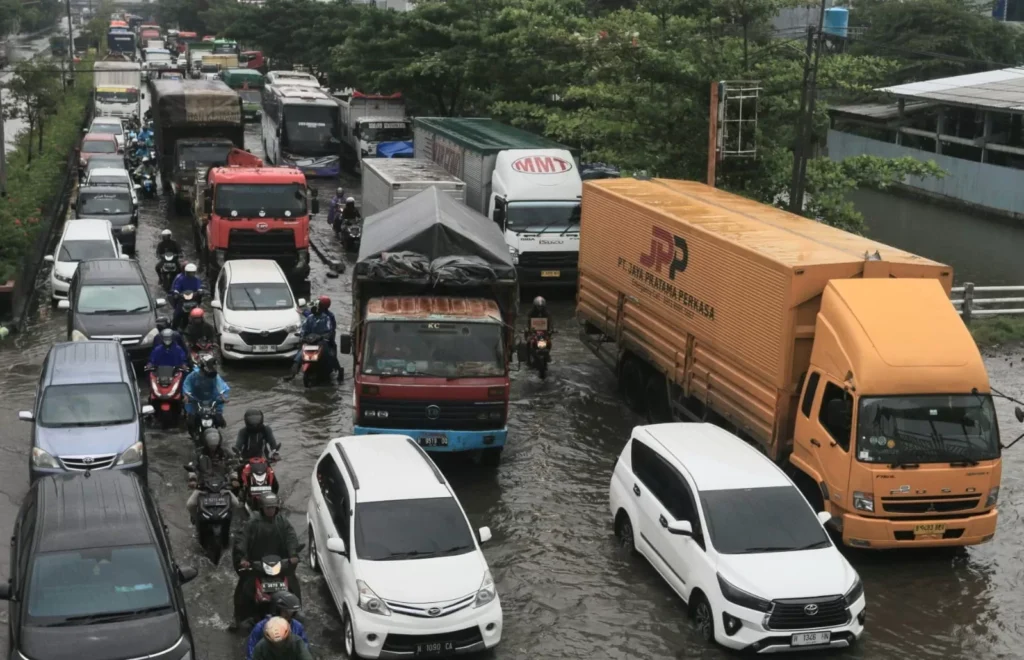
(397, 552)
(254, 311)
(732, 535)
(82, 239)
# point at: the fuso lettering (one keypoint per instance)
(666, 250)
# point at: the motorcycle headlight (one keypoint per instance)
(542, 344)
(272, 569)
(78, 336)
(150, 337)
(41, 459)
(369, 601)
(515, 255)
(486, 593)
(131, 456)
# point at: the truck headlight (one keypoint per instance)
(369, 601)
(41, 459)
(78, 336)
(863, 501)
(993, 497)
(486, 593)
(131, 456)
(150, 337)
(515, 255)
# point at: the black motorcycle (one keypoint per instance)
(148, 186)
(271, 574)
(213, 517)
(206, 418)
(187, 301)
(170, 267)
(350, 235)
(538, 351)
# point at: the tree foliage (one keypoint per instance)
(28, 16)
(33, 94)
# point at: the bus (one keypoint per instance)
(302, 128)
(226, 47)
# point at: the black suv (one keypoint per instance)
(113, 203)
(92, 574)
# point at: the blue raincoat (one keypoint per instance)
(200, 387)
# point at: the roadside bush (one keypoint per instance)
(33, 188)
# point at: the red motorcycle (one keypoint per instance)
(202, 346)
(257, 479)
(165, 394)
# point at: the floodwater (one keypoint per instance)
(20, 49)
(566, 590)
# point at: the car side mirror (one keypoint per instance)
(63, 304)
(26, 416)
(824, 517)
(345, 344)
(123, 256)
(137, 187)
(148, 409)
(484, 534)
(336, 545)
(314, 206)
(85, 130)
(187, 574)
(5, 591)
(680, 528)
(49, 259)
(215, 304)
(160, 302)
(301, 302)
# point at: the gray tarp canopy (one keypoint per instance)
(434, 228)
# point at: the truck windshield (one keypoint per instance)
(927, 429)
(543, 217)
(127, 96)
(194, 156)
(311, 130)
(274, 200)
(440, 350)
(386, 131)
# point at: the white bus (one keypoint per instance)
(302, 128)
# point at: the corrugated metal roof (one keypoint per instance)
(483, 134)
(880, 110)
(1002, 89)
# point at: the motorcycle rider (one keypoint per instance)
(337, 202)
(279, 644)
(286, 606)
(265, 534)
(350, 214)
(204, 384)
(198, 328)
(167, 353)
(320, 321)
(166, 244)
(146, 167)
(538, 311)
(163, 324)
(185, 281)
(220, 463)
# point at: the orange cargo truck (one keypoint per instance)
(840, 357)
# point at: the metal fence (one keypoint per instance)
(995, 300)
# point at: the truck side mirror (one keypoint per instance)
(499, 211)
(345, 344)
(207, 204)
(279, 131)
(314, 206)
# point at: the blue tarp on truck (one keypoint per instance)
(394, 150)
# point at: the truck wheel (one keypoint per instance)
(655, 398)
(632, 384)
(491, 457)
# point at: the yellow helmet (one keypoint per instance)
(277, 630)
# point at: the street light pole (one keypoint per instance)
(3, 148)
(71, 47)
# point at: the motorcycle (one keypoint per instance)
(538, 349)
(257, 479)
(148, 186)
(316, 365)
(270, 577)
(206, 418)
(350, 236)
(213, 517)
(165, 394)
(200, 347)
(170, 267)
(187, 301)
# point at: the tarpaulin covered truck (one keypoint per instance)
(191, 109)
(528, 185)
(433, 314)
(388, 181)
(840, 357)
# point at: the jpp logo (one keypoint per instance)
(666, 250)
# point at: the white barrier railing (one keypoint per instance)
(998, 300)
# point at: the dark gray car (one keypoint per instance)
(113, 203)
(87, 414)
(109, 299)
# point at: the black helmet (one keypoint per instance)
(167, 337)
(286, 601)
(269, 501)
(162, 323)
(208, 364)
(212, 439)
(253, 419)
(341, 192)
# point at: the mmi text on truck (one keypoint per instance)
(671, 251)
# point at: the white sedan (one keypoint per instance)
(81, 240)
(254, 311)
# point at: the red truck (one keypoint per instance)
(245, 210)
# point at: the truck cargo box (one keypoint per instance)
(718, 292)
(388, 181)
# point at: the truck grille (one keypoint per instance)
(549, 259)
(462, 641)
(930, 505)
(263, 338)
(272, 244)
(453, 415)
(795, 613)
(83, 463)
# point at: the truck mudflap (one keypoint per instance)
(885, 533)
(448, 441)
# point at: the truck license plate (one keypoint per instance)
(550, 273)
(264, 349)
(811, 639)
(434, 441)
(929, 529)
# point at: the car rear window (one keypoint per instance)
(99, 147)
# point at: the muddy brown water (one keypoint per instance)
(567, 592)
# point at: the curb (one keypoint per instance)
(337, 266)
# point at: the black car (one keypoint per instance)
(109, 299)
(92, 574)
(113, 203)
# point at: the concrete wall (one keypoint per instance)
(993, 188)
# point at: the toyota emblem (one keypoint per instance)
(434, 611)
(262, 226)
(811, 610)
(87, 460)
(433, 412)
(265, 333)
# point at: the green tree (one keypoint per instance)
(33, 93)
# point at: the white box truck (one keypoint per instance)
(369, 120)
(388, 181)
(117, 88)
(529, 185)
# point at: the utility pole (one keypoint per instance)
(713, 134)
(805, 124)
(71, 48)
(3, 148)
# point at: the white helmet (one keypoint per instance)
(350, 200)
(165, 233)
(191, 269)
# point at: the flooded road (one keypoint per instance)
(567, 591)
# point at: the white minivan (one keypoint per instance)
(82, 239)
(397, 552)
(735, 538)
(254, 311)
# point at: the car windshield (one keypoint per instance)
(269, 200)
(250, 297)
(927, 429)
(75, 251)
(105, 203)
(753, 520)
(411, 529)
(105, 128)
(195, 155)
(112, 299)
(311, 130)
(101, 161)
(543, 216)
(94, 404)
(99, 147)
(250, 95)
(387, 131)
(445, 350)
(127, 96)
(96, 584)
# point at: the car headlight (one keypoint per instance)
(993, 497)
(515, 255)
(78, 336)
(127, 229)
(150, 337)
(486, 592)
(369, 601)
(855, 592)
(232, 329)
(863, 501)
(742, 598)
(60, 278)
(293, 328)
(41, 459)
(131, 455)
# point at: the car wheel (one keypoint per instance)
(314, 561)
(350, 635)
(703, 618)
(624, 532)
